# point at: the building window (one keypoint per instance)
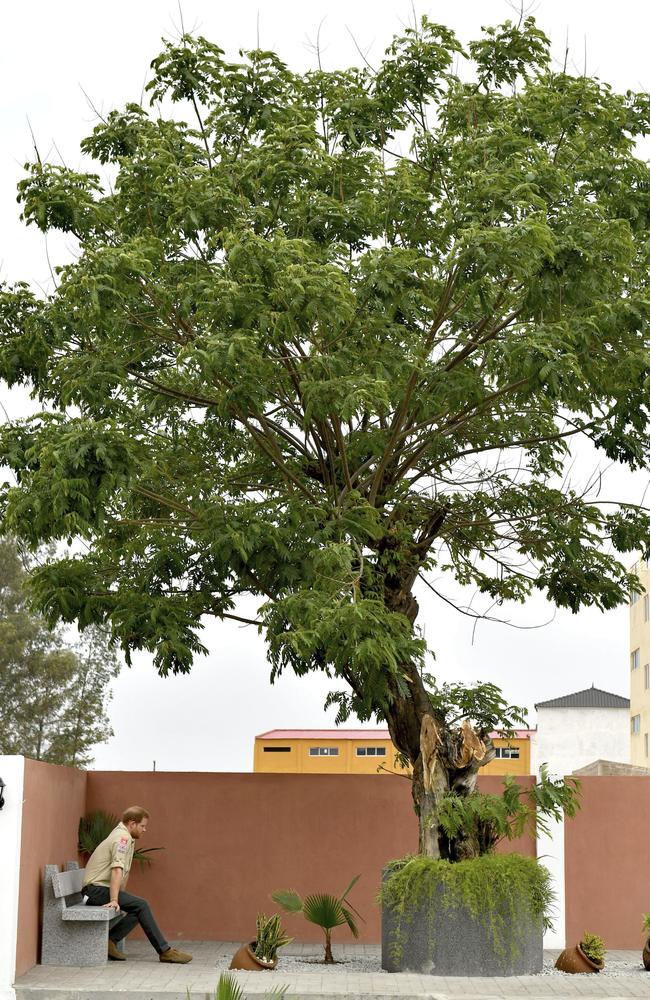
(645, 741)
(507, 753)
(636, 725)
(635, 659)
(277, 749)
(371, 751)
(646, 676)
(646, 607)
(323, 751)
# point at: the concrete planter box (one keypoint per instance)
(448, 941)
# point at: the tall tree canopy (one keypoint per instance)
(329, 332)
(53, 696)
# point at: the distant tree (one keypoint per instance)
(334, 337)
(53, 696)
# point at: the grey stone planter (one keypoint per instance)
(440, 941)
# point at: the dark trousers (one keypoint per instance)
(137, 911)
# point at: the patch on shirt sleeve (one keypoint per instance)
(122, 845)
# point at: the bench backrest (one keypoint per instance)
(68, 883)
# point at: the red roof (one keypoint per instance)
(518, 734)
(357, 734)
(325, 734)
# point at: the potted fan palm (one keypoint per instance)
(322, 909)
(262, 953)
(645, 927)
(587, 956)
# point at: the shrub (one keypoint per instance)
(496, 889)
(593, 947)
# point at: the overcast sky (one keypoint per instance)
(50, 54)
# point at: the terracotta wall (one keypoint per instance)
(231, 839)
(54, 799)
(607, 885)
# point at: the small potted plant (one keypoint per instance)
(645, 927)
(587, 956)
(262, 953)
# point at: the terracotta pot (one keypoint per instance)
(245, 958)
(646, 955)
(575, 960)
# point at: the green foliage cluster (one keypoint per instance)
(278, 330)
(96, 826)
(645, 926)
(228, 988)
(593, 947)
(269, 937)
(323, 909)
(481, 820)
(481, 703)
(53, 694)
(501, 891)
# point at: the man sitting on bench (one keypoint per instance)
(105, 880)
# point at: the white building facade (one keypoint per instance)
(579, 728)
(572, 731)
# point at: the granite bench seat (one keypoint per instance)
(73, 933)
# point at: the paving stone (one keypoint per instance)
(142, 977)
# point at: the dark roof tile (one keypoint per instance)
(592, 697)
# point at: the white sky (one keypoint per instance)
(48, 53)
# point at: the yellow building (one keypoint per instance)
(362, 751)
(512, 754)
(324, 751)
(640, 668)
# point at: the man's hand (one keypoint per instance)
(114, 889)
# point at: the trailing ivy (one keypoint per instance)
(503, 892)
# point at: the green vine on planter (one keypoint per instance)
(501, 891)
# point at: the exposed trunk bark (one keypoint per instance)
(443, 759)
(328, 946)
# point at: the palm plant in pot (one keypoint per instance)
(262, 953)
(586, 956)
(645, 927)
(323, 909)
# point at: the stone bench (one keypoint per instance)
(73, 933)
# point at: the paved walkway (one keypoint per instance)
(142, 977)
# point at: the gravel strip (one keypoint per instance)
(612, 968)
(292, 963)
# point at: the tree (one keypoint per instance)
(53, 697)
(333, 335)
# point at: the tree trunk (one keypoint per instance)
(328, 946)
(443, 759)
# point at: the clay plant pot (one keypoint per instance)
(575, 960)
(245, 958)
(646, 955)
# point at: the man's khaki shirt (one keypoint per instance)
(114, 852)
